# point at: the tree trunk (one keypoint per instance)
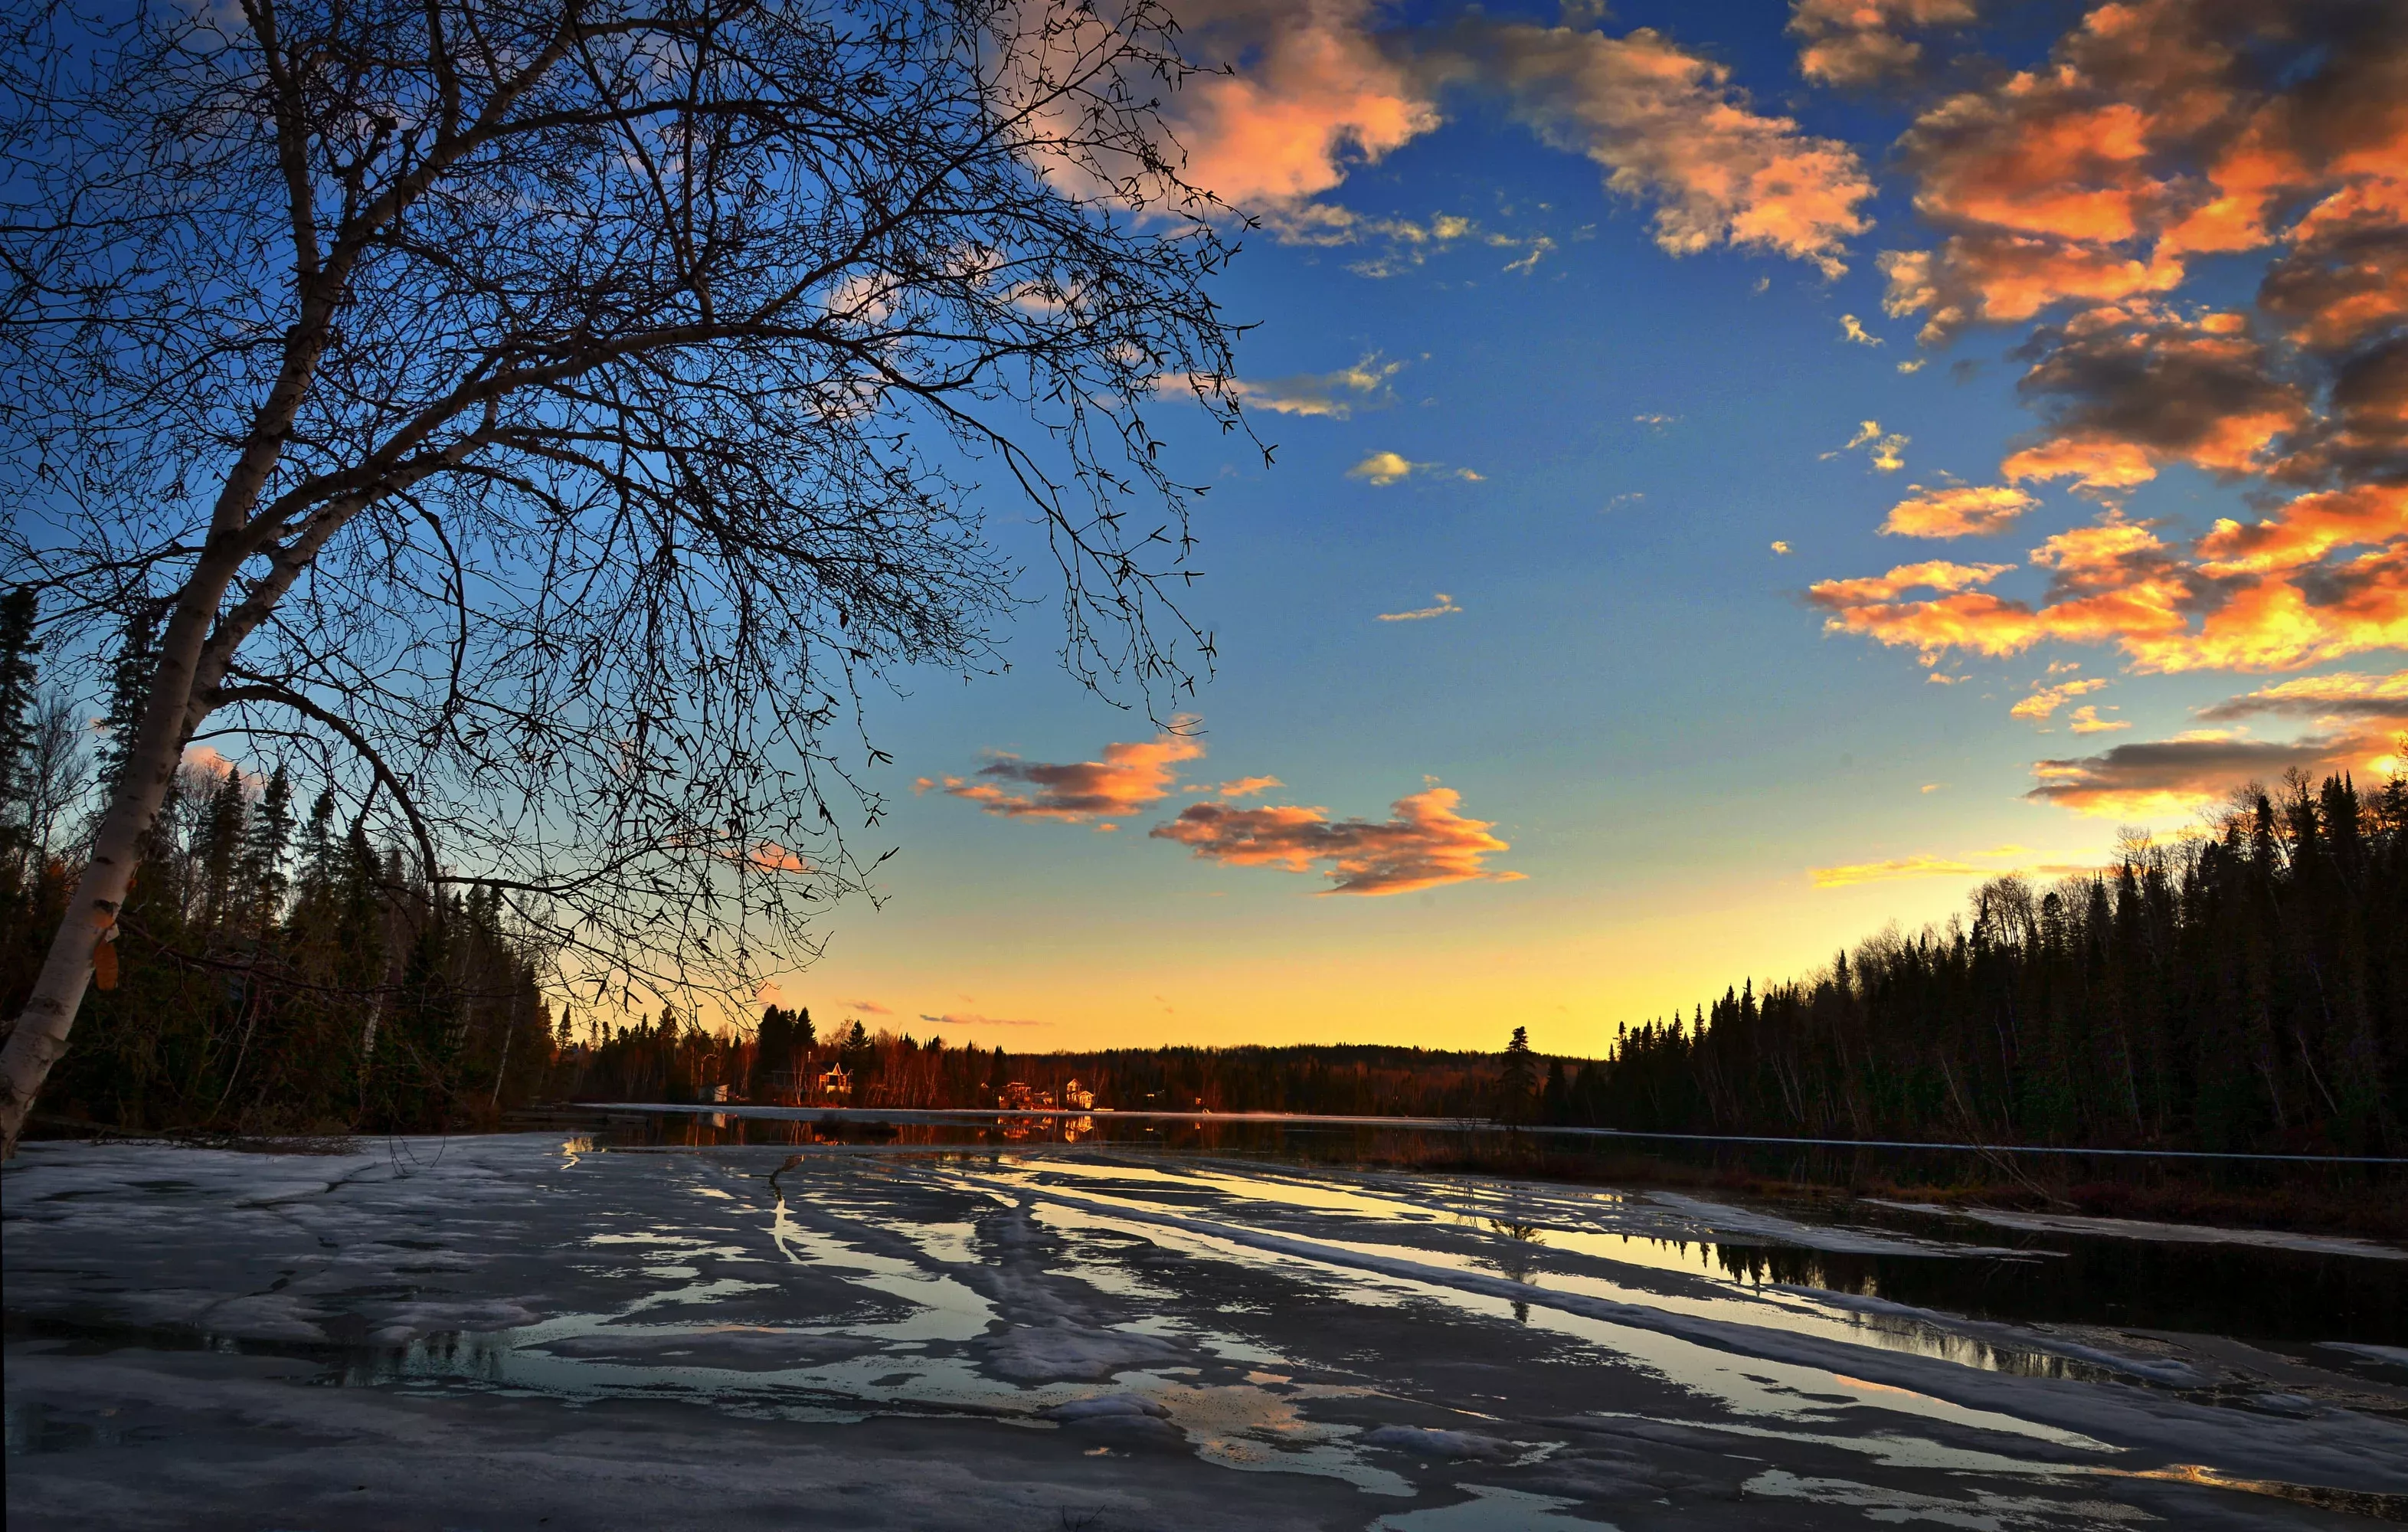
(39, 1039)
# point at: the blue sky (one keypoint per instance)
(1632, 471)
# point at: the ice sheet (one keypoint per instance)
(1104, 1330)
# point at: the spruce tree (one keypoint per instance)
(129, 691)
(265, 842)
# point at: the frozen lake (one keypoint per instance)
(514, 1331)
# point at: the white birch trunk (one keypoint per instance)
(39, 1039)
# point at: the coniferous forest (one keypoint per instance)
(2241, 989)
(272, 971)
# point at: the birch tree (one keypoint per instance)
(544, 417)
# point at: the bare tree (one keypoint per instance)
(57, 764)
(548, 414)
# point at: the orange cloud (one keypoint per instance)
(1963, 511)
(2157, 130)
(1424, 843)
(1312, 92)
(768, 856)
(2086, 719)
(2001, 278)
(2116, 581)
(2093, 465)
(1858, 42)
(2046, 701)
(2288, 621)
(1667, 127)
(1129, 778)
(2307, 529)
(1922, 865)
(1246, 787)
(1933, 574)
(1895, 867)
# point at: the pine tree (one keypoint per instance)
(264, 844)
(220, 850)
(1519, 1078)
(129, 691)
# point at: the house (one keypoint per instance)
(835, 1082)
(1078, 1097)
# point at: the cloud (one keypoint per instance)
(2159, 779)
(2307, 529)
(966, 1020)
(1538, 249)
(1313, 93)
(2117, 582)
(1381, 470)
(1779, 545)
(1965, 511)
(1932, 574)
(2044, 701)
(2158, 130)
(2127, 387)
(1424, 843)
(1445, 608)
(1913, 364)
(1245, 787)
(1316, 88)
(1896, 867)
(1129, 778)
(1332, 395)
(207, 760)
(867, 1008)
(1885, 449)
(2342, 694)
(1656, 421)
(2086, 719)
(768, 856)
(1852, 329)
(1668, 128)
(1858, 42)
(1930, 787)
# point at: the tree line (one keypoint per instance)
(2241, 989)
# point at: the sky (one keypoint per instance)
(1743, 474)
